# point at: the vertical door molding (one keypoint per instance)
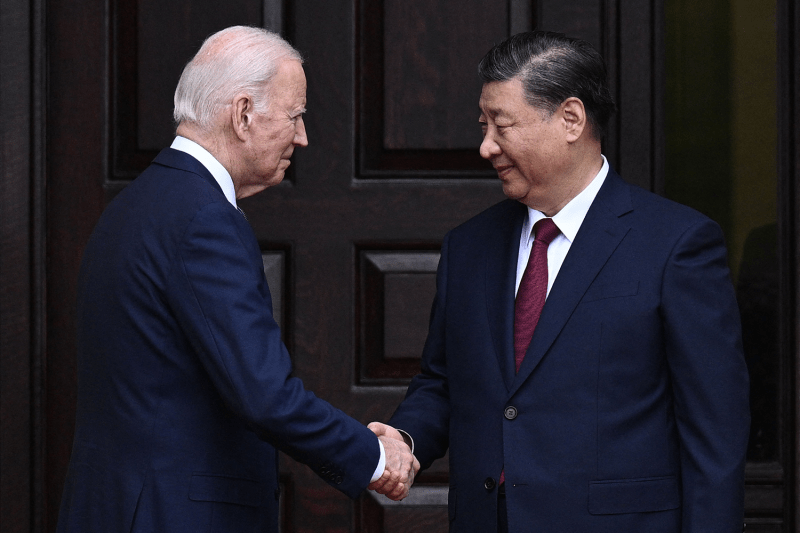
(38, 271)
(16, 331)
(22, 208)
(788, 117)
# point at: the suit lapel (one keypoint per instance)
(501, 275)
(600, 234)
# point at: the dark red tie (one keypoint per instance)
(532, 293)
(532, 289)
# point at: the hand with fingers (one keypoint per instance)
(383, 430)
(401, 465)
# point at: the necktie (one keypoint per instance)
(242, 212)
(532, 289)
(532, 293)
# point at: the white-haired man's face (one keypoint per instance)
(274, 134)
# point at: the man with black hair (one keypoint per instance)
(584, 363)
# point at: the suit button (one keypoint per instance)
(510, 413)
(489, 484)
(338, 480)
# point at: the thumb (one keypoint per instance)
(383, 430)
(377, 428)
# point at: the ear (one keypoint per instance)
(574, 115)
(242, 115)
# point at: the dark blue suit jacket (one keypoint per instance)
(630, 410)
(184, 386)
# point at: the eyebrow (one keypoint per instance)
(494, 114)
(492, 111)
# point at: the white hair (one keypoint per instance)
(239, 59)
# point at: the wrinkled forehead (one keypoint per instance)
(500, 97)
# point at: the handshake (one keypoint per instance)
(401, 465)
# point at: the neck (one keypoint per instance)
(215, 143)
(583, 168)
(586, 169)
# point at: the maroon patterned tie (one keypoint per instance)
(531, 293)
(532, 289)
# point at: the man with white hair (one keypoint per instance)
(185, 391)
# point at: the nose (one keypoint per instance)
(489, 147)
(300, 138)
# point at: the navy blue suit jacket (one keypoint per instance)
(184, 386)
(630, 411)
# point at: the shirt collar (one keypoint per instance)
(205, 158)
(571, 216)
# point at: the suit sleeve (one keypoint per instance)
(425, 412)
(221, 300)
(709, 380)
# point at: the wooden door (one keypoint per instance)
(350, 239)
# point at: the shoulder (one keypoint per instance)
(647, 210)
(177, 174)
(500, 218)
(172, 185)
(162, 203)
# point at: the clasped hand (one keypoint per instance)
(401, 465)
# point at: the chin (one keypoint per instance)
(512, 192)
(272, 183)
(276, 178)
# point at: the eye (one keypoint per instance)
(297, 116)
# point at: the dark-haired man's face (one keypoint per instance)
(527, 146)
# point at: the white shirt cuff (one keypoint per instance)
(381, 464)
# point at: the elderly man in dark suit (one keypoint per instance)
(584, 363)
(185, 391)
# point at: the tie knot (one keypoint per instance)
(545, 231)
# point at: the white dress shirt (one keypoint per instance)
(223, 177)
(568, 220)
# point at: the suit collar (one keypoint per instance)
(600, 234)
(169, 157)
(208, 160)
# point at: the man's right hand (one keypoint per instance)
(401, 465)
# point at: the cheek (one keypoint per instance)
(268, 159)
(273, 149)
(284, 141)
(523, 157)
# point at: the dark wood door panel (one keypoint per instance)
(424, 511)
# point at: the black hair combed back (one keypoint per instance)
(552, 68)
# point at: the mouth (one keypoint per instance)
(503, 170)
